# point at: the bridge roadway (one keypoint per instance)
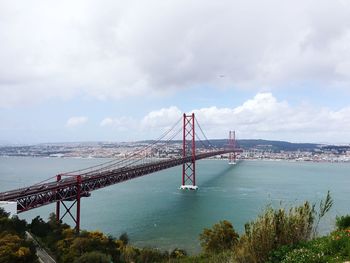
(67, 189)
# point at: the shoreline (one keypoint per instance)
(210, 159)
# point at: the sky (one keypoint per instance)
(114, 70)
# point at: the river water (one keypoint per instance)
(155, 213)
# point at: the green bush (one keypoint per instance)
(16, 249)
(332, 248)
(39, 227)
(302, 255)
(224, 257)
(93, 257)
(13, 225)
(3, 213)
(129, 254)
(318, 248)
(149, 255)
(178, 253)
(275, 228)
(124, 238)
(219, 238)
(276, 256)
(340, 243)
(343, 222)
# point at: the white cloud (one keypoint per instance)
(266, 117)
(163, 118)
(262, 117)
(76, 121)
(107, 122)
(120, 124)
(112, 49)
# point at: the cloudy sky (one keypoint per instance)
(125, 70)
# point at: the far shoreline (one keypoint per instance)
(210, 159)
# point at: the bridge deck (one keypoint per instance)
(66, 189)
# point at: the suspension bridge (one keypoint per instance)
(72, 186)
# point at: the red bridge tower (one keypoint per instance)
(232, 145)
(189, 150)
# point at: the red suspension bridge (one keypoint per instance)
(72, 186)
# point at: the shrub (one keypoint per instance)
(39, 227)
(13, 225)
(332, 248)
(343, 222)
(93, 257)
(15, 249)
(340, 243)
(302, 255)
(149, 255)
(319, 246)
(275, 228)
(276, 256)
(124, 238)
(220, 237)
(279, 227)
(224, 257)
(3, 213)
(129, 254)
(178, 253)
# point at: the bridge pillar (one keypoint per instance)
(75, 201)
(58, 178)
(77, 227)
(232, 145)
(189, 150)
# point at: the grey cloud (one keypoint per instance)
(113, 49)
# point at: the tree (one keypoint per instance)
(16, 250)
(12, 225)
(72, 247)
(342, 222)
(93, 257)
(39, 227)
(3, 213)
(130, 254)
(124, 238)
(178, 253)
(220, 237)
(56, 230)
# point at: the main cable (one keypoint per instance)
(114, 162)
(135, 154)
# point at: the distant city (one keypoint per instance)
(252, 150)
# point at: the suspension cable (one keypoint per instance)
(130, 157)
(114, 162)
(200, 128)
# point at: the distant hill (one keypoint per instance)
(262, 144)
(270, 145)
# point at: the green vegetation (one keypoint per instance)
(279, 227)
(13, 246)
(277, 235)
(219, 238)
(332, 248)
(343, 222)
(93, 257)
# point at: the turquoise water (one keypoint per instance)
(155, 213)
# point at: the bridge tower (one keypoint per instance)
(189, 151)
(232, 145)
(75, 201)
